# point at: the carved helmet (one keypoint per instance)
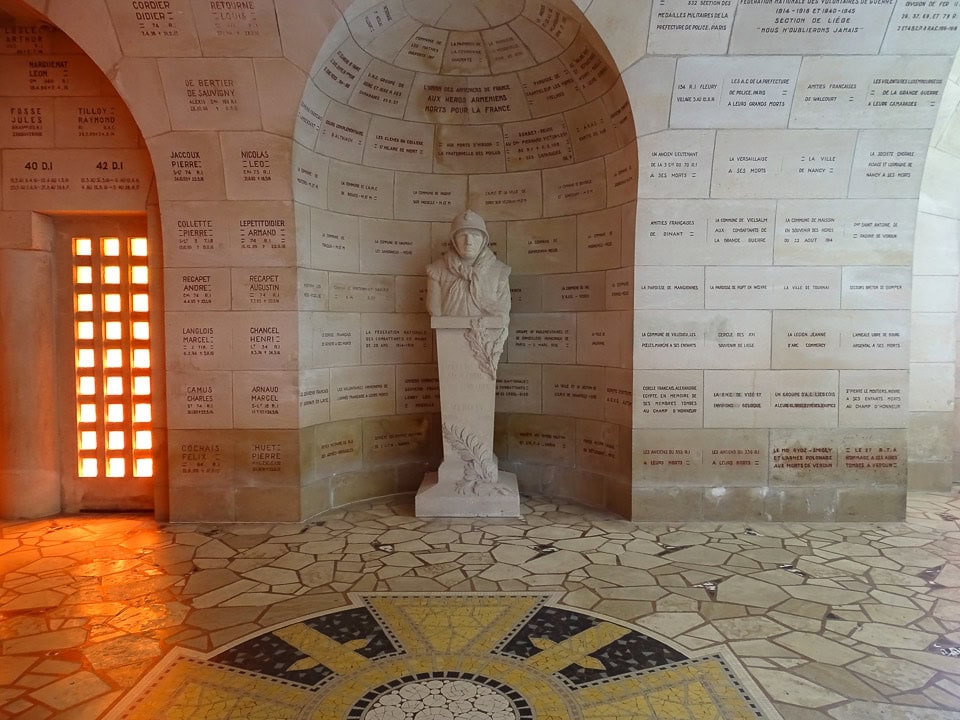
(468, 220)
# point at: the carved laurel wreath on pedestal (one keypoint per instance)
(485, 349)
(480, 474)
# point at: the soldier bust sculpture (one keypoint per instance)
(469, 280)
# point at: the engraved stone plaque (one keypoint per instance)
(27, 122)
(197, 288)
(542, 246)
(210, 93)
(418, 388)
(669, 287)
(512, 196)
(543, 338)
(336, 339)
(265, 340)
(574, 189)
(541, 143)
(599, 447)
(889, 163)
(200, 399)
(668, 398)
(574, 292)
(474, 149)
(599, 239)
(160, 28)
(690, 339)
(429, 197)
(198, 341)
(681, 27)
(399, 145)
(362, 292)
(334, 241)
(550, 88)
(237, 27)
(87, 122)
(256, 166)
(188, 166)
(773, 287)
(392, 246)
(314, 396)
(518, 388)
(922, 29)
(395, 338)
(675, 164)
(618, 396)
(841, 339)
(873, 398)
(358, 190)
(573, 390)
(771, 398)
(264, 289)
(343, 133)
(364, 391)
(600, 338)
(265, 400)
(876, 288)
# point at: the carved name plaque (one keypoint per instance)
(691, 26)
(542, 246)
(675, 164)
(343, 133)
(399, 145)
(543, 338)
(773, 287)
(873, 398)
(314, 396)
(600, 338)
(771, 398)
(211, 94)
(265, 400)
(395, 338)
(26, 122)
(573, 391)
(339, 74)
(336, 339)
(843, 28)
(841, 339)
(539, 143)
(362, 293)
(51, 75)
(155, 27)
(382, 89)
(574, 189)
(468, 100)
(424, 50)
(669, 398)
(334, 241)
(691, 339)
(513, 196)
(362, 391)
(923, 27)
(550, 88)
(201, 458)
(237, 27)
(478, 148)
(18, 39)
(197, 288)
(418, 389)
(889, 163)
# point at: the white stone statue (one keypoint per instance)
(469, 280)
(468, 296)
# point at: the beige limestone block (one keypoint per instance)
(674, 288)
(312, 289)
(933, 337)
(199, 457)
(875, 288)
(542, 246)
(343, 133)
(338, 73)
(668, 398)
(86, 24)
(310, 177)
(889, 163)
(590, 63)
(81, 122)
(313, 396)
(367, 20)
(334, 241)
(198, 288)
(196, 234)
(311, 108)
(265, 399)
(670, 34)
(675, 164)
(844, 232)
(540, 143)
(138, 81)
(261, 233)
(198, 341)
(268, 459)
(465, 54)
(167, 31)
(674, 456)
(917, 35)
(575, 189)
(620, 289)
(526, 293)
(395, 338)
(870, 92)
(543, 338)
(362, 293)
(547, 36)
(112, 179)
(934, 253)
(600, 340)
(393, 246)
(601, 447)
(623, 34)
(592, 133)
(474, 149)
(573, 390)
(805, 457)
(541, 438)
(364, 391)
(56, 75)
(188, 166)
(399, 145)
(550, 88)
(759, 29)
(210, 93)
(932, 293)
(510, 196)
(773, 287)
(705, 232)
(264, 289)
(622, 175)
(723, 92)
(770, 398)
(649, 84)
(256, 166)
(248, 30)
(264, 340)
(574, 291)
(407, 438)
(303, 29)
(418, 389)
(778, 163)
(423, 51)
(411, 293)
(518, 388)
(873, 398)
(846, 339)
(358, 190)
(200, 399)
(468, 100)
(338, 446)
(28, 122)
(599, 236)
(336, 339)
(429, 197)
(618, 396)
(688, 339)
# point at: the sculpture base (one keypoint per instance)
(434, 500)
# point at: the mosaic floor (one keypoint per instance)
(372, 614)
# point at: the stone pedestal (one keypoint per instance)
(468, 483)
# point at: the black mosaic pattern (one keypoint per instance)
(267, 654)
(631, 653)
(521, 707)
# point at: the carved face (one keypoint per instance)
(468, 243)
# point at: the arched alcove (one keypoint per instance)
(415, 110)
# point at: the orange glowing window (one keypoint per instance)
(113, 357)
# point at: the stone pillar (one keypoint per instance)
(468, 483)
(29, 442)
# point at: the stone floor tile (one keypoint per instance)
(76, 688)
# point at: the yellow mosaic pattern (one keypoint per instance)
(449, 634)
